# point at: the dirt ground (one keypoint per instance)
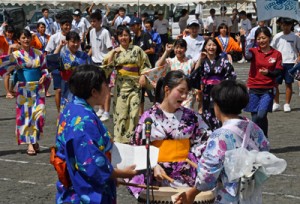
(31, 180)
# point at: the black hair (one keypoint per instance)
(222, 25)
(146, 15)
(235, 9)
(96, 16)
(84, 79)
(66, 19)
(243, 13)
(25, 32)
(9, 28)
(212, 10)
(249, 16)
(181, 42)
(120, 30)
(39, 24)
(219, 49)
(149, 21)
(58, 16)
(122, 9)
(183, 12)
(231, 96)
(72, 36)
(172, 79)
(45, 9)
(223, 8)
(265, 30)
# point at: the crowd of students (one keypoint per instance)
(71, 51)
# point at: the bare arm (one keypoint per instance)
(163, 58)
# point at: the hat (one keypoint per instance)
(135, 20)
(193, 22)
(77, 12)
(160, 12)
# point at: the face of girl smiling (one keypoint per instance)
(223, 31)
(174, 97)
(24, 41)
(124, 39)
(179, 51)
(73, 45)
(211, 47)
(263, 41)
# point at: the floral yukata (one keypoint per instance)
(182, 125)
(211, 165)
(212, 73)
(130, 64)
(187, 67)
(30, 105)
(70, 62)
(82, 141)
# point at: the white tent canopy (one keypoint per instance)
(114, 2)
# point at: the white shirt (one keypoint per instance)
(246, 25)
(288, 45)
(100, 42)
(49, 24)
(81, 26)
(223, 19)
(121, 21)
(56, 27)
(161, 26)
(54, 41)
(210, 23)
(105, 21)
(194, 47)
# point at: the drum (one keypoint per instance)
(165, 194)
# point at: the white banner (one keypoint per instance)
(267, 9)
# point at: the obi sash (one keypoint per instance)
(213, 80)
(129, 70)
(172, 150)
(28, 74)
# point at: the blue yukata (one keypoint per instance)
(82, 141)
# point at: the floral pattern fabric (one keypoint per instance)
(82, 141)
(183, 124)
(217, 70)
(211, 165)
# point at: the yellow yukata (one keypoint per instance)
(130, 64)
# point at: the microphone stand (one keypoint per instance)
(148, 174)
(148, 123)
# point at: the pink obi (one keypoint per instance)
(213, 80)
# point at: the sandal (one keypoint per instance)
(31, 152)
(36, 147)
(9, 96)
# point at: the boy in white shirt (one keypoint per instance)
(210, 24)
(54, 41)
(289, 45)
(101, 44)
(246, 26)
(47, 21)
(194, 41)
(120, 18)
(81, 26)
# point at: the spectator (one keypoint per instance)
(245, 25)
(210, 25)
(47, 21)
(183, 20)
(235, 23)
(223, 19)
(81, 26)
(120, 18)
(161, 26)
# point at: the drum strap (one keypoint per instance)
(172, 150)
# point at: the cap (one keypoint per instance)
(160, 12)
(135, 20)
(77, 12)
(193, 22)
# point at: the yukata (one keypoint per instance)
(30, 103)
(129, 65)
(213, 73)
(211, 165)
(69, 63)
(187, 67)
(179, 136)
(82, 141)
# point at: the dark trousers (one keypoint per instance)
(260, 118)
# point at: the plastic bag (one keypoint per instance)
(271, 164)
(238, 162)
